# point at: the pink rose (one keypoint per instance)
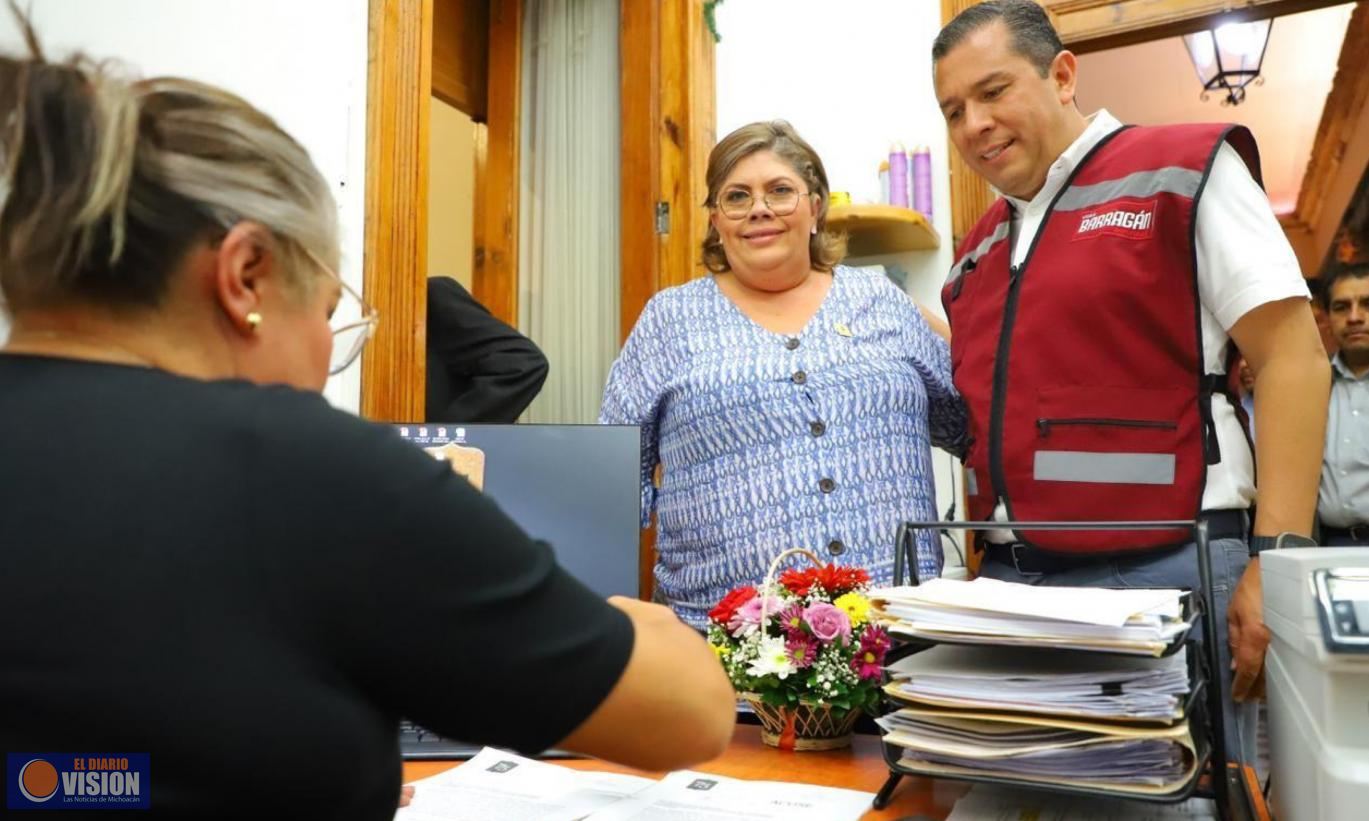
(827, 622)
(748, 616)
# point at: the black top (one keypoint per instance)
(252, 587)
(479, 369)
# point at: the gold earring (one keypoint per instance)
(253, 321)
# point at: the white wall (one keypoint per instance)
(852, 78)
(301, 61)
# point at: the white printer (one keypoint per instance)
(1316, 604)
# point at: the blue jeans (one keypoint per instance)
(1173, 568)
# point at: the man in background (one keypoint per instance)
(480, 370)
(1343, 503)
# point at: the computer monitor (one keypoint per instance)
(575, 487)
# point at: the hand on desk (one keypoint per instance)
(406, 794)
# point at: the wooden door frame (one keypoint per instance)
(494, 277)
(1338, 159)
(667, 129)
(395, 265)
(395, 262)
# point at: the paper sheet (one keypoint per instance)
(1085, 605)
(501, 786)
(987, 611)
(692, 796)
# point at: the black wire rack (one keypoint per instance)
(1207, 721)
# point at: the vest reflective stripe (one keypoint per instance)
(999, 234)
(1183, 182)
(1107, 468)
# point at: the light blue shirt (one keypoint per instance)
(1344, 497)
(767, 441)
(1248, 403)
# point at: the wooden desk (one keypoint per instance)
(859, 768)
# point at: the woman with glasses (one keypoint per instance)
(200, 560)
(788, 400)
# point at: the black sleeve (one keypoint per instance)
(432, 598)
(496, 371)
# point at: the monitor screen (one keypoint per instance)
(572, 486)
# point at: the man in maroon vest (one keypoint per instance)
(1092, 310)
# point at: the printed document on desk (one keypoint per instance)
(691, 796)
(501, 786)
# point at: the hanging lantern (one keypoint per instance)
(1228, 57)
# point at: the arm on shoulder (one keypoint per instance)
(672, 707)
(938, 325)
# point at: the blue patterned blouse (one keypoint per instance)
(820, 440)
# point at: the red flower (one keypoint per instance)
(799, 582)
(726, 608)
(839, 580)
(868, 661)
(833, 580)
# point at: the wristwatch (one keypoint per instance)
(1262, 543)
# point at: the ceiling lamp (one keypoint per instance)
(1228, 57)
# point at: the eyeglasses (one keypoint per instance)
(782, 200)
(353, 322)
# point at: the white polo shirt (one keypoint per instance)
(1244, 261)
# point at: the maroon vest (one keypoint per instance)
(1082, 368)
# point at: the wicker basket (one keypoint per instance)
(806, 728)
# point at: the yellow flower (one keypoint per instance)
(857, 607)
(721, 650)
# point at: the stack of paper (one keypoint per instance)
(986, 611)
(1120, 758)
(1054, 682)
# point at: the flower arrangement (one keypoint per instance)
(806, 640)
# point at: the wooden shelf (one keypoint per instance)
(882, 229)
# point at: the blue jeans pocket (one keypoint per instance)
(1167, 570)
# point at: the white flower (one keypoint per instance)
(772, 657)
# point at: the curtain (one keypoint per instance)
(568, 230)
